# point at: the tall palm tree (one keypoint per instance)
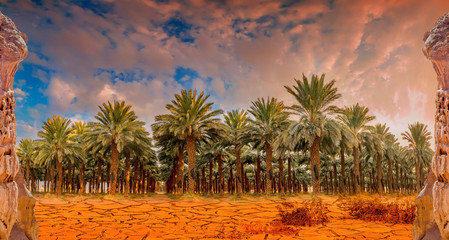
(171, 148)
(418, 137)
(56, 141)
(140, 146)
(80, 130)
(27, 152)
(314, 101)
(391, 153)
(191, 119)
(236, 120)
(115, 127)
(269, 120)
(356, 119)
(346, 143)
(381, 132)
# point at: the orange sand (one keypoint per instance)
(161, 217)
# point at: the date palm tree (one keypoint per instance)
(314, 102)
(391, 154)
(346, 143)
(192, 118)
(236, 120)
(171, 150)
(418, 137)
(115, 127)
(381, 133)
(26, 153)
(356, 119)
(139, 147)
(56, 141)
(268, 122)
(80, 131)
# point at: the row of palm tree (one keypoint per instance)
(345, 153)
(75, 148)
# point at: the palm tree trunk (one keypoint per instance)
(46, 178)
(33, 181)
(28, 173)
(108, 176)
(417, 174)
(53, 178)
(99, 174)
(92, 183)
(379, 173)
(180, 174)
(362, 176)
(191, 161)
(402, 179)
(141, 178)
(390, 176)
(74, 185)
(258, 190)
(220, 174)
(281, 176)
(238, 166)
(114, 166)
(60, 176)
(269, 173)
(421, 175)
(351, 181)
(127, 167)
(211, 188)
(357, 180)
(135, 174)
(171, 183)
(69, 177)
(343, 170)
(294, 182)
(397, 176)
(335, 177)
(289, 178)
(203, 180)
(81, 177)
(315, 165)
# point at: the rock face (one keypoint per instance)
(432, 204)
(17, 219)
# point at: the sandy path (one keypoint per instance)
(160, 217)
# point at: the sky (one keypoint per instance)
(83, 53)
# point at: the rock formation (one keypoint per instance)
(17, 219)
(432, 204)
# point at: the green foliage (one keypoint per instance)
(356, 118)
(191, 115)
(57, 141)
(269, 120)
(117, 124)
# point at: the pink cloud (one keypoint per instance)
(372, 49)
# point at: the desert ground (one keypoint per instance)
(191, 217)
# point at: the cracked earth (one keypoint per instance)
(161, 217)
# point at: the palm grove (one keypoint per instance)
(260, 150)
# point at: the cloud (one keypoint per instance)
(238, 50)
(61, 93)
(26, 130)
(20, 95)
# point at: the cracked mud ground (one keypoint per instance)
(161, 217)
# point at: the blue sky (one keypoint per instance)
(83, 53)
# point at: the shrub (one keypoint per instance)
(309, 213)
(378, 209)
